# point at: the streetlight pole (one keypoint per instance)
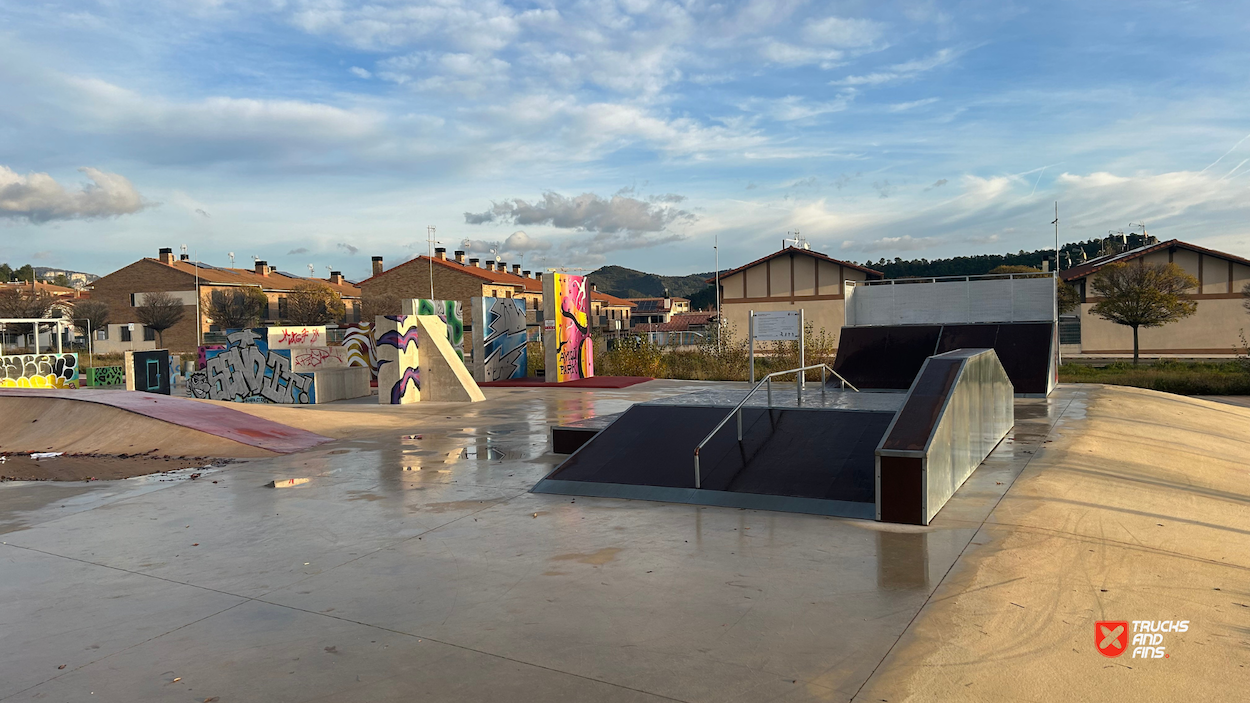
(719, 322)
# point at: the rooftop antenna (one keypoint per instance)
(231, 255)
(798, 239)
(312, 271)
(184, 251)
(431, 241)
(1056, 224)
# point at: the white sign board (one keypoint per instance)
(777, 326)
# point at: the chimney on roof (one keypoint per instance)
(377, 266)
(490, 265)
(474, 262)
(594, 287)
(184, 257)
(166, 256)
(440, 253)
(460, 256)
(668, 300)
(516, 269)
(262, 267)
(526, 274)
(502, 266)
(336, 277)
(538, 275)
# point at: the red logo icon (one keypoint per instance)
(1111, 637)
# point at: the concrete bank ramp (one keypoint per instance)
(127, 422)
(1136, 509)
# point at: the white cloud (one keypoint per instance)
(905, 70)
(786, 54)
(586, 212)
(903, 107)
(37, 197)
(360, 72)
(843, 32)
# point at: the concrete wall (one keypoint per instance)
(341, 384)
(1212, 329)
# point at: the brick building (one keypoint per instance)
(460, 279)
(124, 289)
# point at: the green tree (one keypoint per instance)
(235, 308)
(314, 303)
(20, 302)
(1142, 295)
(62, 281)
(25, 273)
(159, 311)
(6, 273)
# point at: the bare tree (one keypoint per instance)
(1143, 295)
(314, 303)
(236, 308)
(372, 306)
(159, 311)
(95, 312)
(22, 302)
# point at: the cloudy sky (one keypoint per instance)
(325, 131)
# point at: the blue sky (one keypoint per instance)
(577, 134)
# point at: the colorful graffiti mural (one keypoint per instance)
(451, 312)
(302, 336)
(358, 343)
(499, 339)
(248, 371)
(395, 338)
(106, 376)
(39, 371)
(569, 310)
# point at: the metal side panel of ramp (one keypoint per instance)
(816, 461)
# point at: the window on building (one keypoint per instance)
(125, 333)
(282, 307)
(149, 334)
(510, 295)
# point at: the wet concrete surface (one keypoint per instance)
(418, 565)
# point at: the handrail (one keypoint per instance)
(946, 279)
(798, 384)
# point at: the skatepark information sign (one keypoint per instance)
(782, 326)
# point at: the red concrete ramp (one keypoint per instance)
(218, 421)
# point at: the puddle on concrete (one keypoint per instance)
(452, 505)
(599, 558)
(364, 495)
(485, 453)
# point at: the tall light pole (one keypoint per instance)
(719, 322)
(429, 238)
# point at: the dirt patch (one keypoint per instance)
(95, 467)
(599, 558)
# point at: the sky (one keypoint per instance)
(572, 135)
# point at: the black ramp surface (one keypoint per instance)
(819, 454)
(889, 357)
(884, 357)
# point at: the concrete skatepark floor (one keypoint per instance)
(95, 467)
(415, 565)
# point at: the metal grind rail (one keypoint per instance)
(768, 381)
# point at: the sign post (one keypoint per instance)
(778, 326)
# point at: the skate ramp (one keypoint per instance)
(124, 422)
(888, 357)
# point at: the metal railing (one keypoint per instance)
(799, 381)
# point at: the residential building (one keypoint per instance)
(680, 330)
(1213, 330)
(125, 289)
(790, 279)
(461, 279)
(653, 311)
(21, 336)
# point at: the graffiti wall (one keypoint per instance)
(248, 371)
(148, 371)
(358, 344)
(570, 352)
(39, 371)
(308, 359)
(300, 336)
(202, 361)
(451, 312)
(106, 376)
(499, 339)
(399, 376)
